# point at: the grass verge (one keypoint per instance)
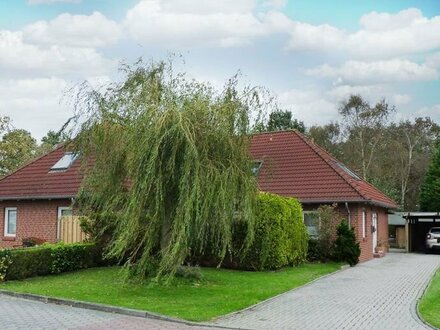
(429, 306)
(221, 291)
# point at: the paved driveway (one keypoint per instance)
(20, 314)
(379, 294)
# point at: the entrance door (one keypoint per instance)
(374, 229)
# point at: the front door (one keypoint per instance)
(374, 230)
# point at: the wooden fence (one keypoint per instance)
(70, 230)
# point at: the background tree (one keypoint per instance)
(328, 136)
(411, 143)
(280, 121)
(171, 169)
(51, 140)
(363, 126)
(430, 189)
(5, 123)
(16, 148)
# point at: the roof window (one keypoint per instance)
(65, 162)
(349, 172)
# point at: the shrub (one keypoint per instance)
(69, 257)
(314, 252)
(321, 248)
(32, 241)
(346, 248)
(51, 259)
(29, 262)
(280, 237)
(189, 272)
(5, 262)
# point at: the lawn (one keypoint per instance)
(219, 292)
(429, 306)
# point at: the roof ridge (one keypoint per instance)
(62, 145)
(316, 147)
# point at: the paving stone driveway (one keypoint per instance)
(379, 294)
(20, 314)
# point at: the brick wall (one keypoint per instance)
(34, 219)
(356, 209)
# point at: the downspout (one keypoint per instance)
(349, 214)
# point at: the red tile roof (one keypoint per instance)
(295, 166)
(292, 166)
(35, 180)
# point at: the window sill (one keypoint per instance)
(8, 238)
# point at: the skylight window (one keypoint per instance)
(349, 172)
(256, 166)
(65, 162)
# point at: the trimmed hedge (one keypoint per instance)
(281, 237)
(50, 259)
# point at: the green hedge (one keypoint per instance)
(281, 237)
(49, 259)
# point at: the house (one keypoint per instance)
(290, 164)
(35, 197)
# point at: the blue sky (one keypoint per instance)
(310, 54)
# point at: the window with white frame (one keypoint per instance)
(311, 220)
(10, 221)
(364, 219)
(64, 211)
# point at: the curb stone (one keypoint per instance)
(108, 309)
(415, 306)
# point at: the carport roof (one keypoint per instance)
(292, 165)
(421, 215)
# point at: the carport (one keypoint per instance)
(417, 225)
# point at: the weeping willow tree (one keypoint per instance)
(167, 164)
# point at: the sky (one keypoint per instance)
(310, 54)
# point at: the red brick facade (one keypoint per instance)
(37, 218)
(355, 220)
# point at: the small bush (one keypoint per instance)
(5, 262)
(29, 262)
(32, 241)
(51, 259)
(280, 237)
(321, 247)
(69, 257)
(346, 248)
(189, 272)
(314, 252)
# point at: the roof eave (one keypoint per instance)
(328, 201)
(21, 198)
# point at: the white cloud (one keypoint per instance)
(182, 23)
(433, 60)
(382, 35)
(370, 92)
(358, 72)
(18, 58)
(400, 99)
(308, 37)
(39, 2)
(310, 106)
(34, 104)
(93, 30)
(429, 111)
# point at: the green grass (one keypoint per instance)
(429, 306)
(220, 291)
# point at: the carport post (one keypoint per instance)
(407, 236)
